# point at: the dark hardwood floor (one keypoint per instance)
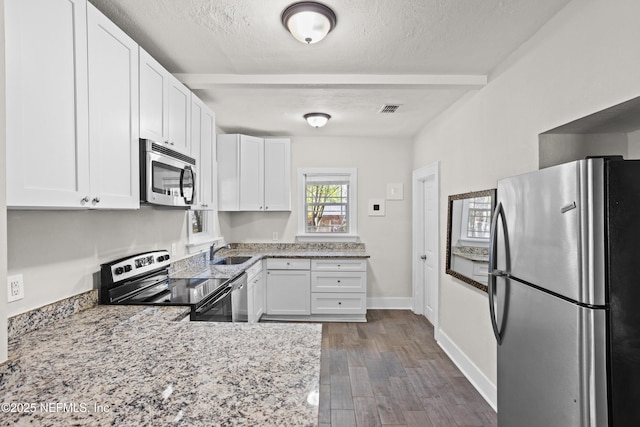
(390, 371)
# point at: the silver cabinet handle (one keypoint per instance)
(423, 257)
(96, 200)
(84, 200)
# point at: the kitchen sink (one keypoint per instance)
(232, 260)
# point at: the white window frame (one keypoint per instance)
(469, 241)
(350, 174)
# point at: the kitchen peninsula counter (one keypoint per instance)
(133, 365)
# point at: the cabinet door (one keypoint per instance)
(258, 296)
(207, 159)
(251, 173)
(196, 131)
(277, 174)
(178, 119)
(153, 99)
(288, 292)
(228, 156)
(113, 114)
(47, 149)
(202, 149)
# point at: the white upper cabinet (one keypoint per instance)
(277, 174)
(203, 150)
(178, 115)
(165, 105)
(254, 174)
(47, 103)
(72, 124)
(113, 114)
(251, 173)
(153, 99)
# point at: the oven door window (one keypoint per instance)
(166, 179)
(218, 309)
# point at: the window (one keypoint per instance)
(476, 219)
(201, 229)
(327, 204)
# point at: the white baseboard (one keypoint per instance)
(485, 387)
(390, 303)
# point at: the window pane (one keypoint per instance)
(198, 221)
(479, 221)
(327, 207)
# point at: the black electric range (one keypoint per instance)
(143, 279)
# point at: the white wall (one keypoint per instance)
(59, 252)
(584, 60)
(3, 202)
(387, 239)
(556, 149)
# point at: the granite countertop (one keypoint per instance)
(478, 254)
(133, 365)
(258, 252)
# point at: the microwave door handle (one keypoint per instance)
(193, 185)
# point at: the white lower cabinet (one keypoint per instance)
(316, 289)
(339, 286)
(476, 270)
(338, 303)
(255, 292)
(288, 292)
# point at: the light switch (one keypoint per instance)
(395, 191)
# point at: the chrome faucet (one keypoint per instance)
(213, 250)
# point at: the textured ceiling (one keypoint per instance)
(239, 59)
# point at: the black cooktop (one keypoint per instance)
(144, 279)
(175, 292)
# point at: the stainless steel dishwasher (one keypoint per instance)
(239, 299)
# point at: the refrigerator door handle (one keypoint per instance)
(494, 273)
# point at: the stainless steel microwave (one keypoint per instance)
(167, 177)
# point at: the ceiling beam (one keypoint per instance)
(206, 81)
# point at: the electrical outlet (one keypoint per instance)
(15, 288)
(174, 249)
(274, 237)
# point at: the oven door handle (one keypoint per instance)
(208, 305)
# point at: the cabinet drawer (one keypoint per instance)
(480, 268)
(346, 264)
(253, 270)
(337, 281)
(338, 303)
(288, 264)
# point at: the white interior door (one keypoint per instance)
(429, 247)
(426, 261)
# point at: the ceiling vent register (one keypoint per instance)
(388, 108)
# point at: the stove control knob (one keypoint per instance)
(119, 270)
(160, 258)
(127, 268)
(166, 257)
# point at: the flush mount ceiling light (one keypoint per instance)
(309, 21)
(317, 120)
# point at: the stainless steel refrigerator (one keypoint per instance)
(564, 295)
